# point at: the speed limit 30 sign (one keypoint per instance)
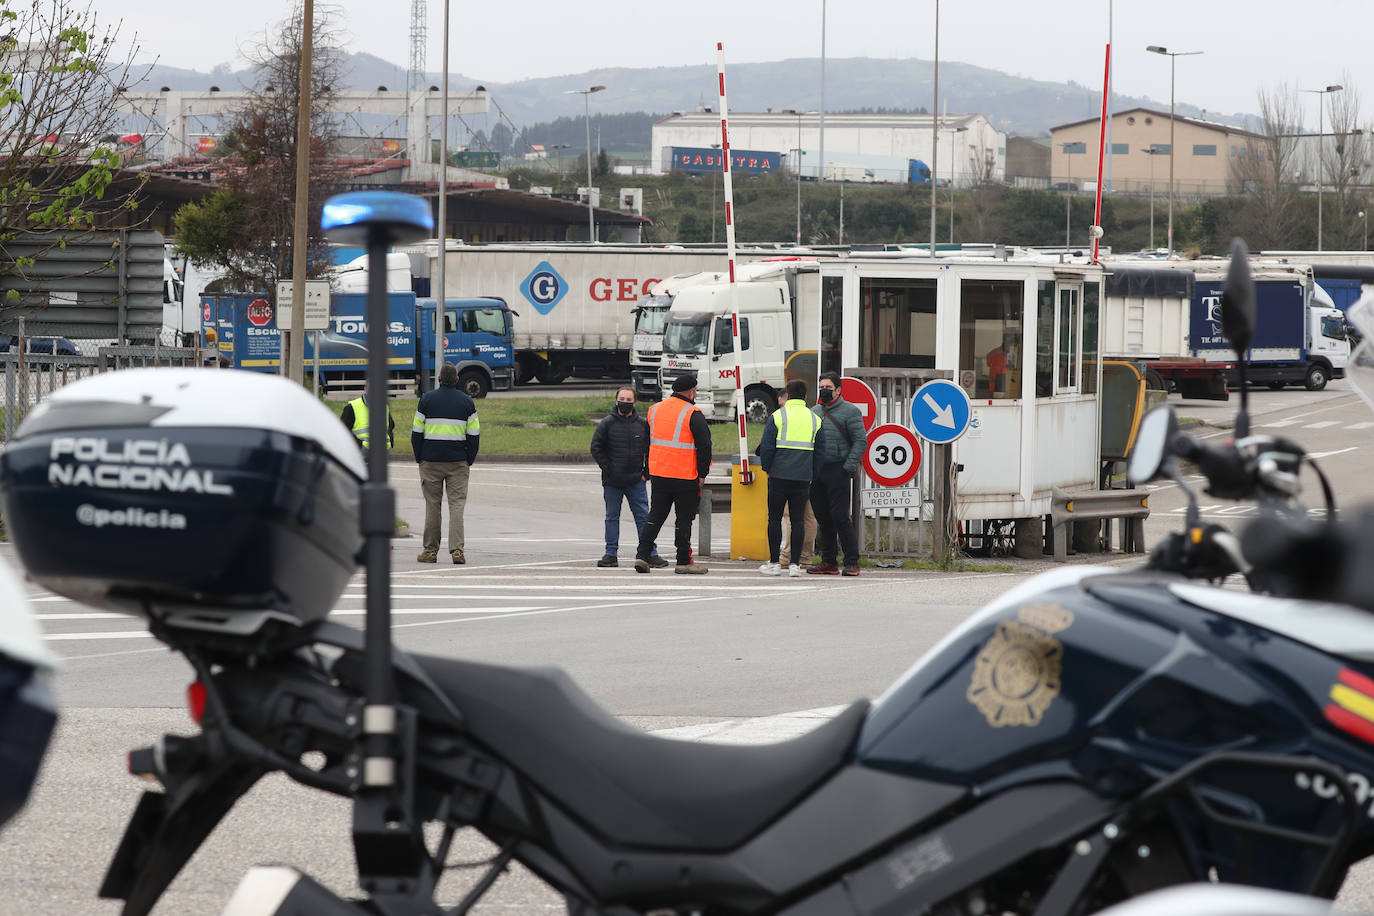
(893, 455)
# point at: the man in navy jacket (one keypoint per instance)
(444, 437)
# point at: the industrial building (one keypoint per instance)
(1204, 166)
(858, 147)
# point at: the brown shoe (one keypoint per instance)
(428, 556)
(690, 569)
(457, 556)
(824, 568)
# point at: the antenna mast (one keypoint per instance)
(419, 35)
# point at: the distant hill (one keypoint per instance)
(1015, 104)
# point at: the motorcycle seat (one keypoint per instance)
(628, 786)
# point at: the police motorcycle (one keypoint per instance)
(1089, 736)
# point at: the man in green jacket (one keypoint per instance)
(845, 440)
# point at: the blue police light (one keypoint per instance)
(351, 219)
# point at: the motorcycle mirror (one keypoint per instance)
(1238, 300)
(1152, 444)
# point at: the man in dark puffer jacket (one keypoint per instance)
(620, 446)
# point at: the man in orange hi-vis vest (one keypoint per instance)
(679, 459)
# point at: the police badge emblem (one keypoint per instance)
(1016, 675)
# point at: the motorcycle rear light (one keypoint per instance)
(195, 700)
(1352, 706)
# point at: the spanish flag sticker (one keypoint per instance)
(1352, 704)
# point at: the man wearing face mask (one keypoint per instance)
(830, 491)
(620, 446)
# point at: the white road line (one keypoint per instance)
(638, 586)
(1339, 451)
(419, 611)
(122, 634)
(522, 596)
(552, 610)
(1323, 424)
(1364, 425)
(1275, 424)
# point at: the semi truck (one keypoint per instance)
(779, 312)
(574, 304)
(1300, 335)
(1145, 319)
(477, 339)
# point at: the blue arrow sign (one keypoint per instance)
(940, 411)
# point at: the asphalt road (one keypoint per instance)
(662, 651)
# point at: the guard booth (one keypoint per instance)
(1021, 338)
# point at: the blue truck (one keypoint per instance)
(477, 339)
(1299, 333)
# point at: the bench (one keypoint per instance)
(1131, 506)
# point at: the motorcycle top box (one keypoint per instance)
(162, 491)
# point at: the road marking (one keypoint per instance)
(121, 634)
(1275, 424)
(1339, 451)
(634, 587)
(1364, 425)
(1323, 424)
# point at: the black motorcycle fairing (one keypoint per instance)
(633, 788)
(166, 829)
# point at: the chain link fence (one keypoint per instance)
(38, 360)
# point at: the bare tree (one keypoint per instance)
(1265, 172)
(984, 192)
(58, 150)
(1345, 162)
(247, 229)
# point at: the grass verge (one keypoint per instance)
(541, 427)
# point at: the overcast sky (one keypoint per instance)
(1248, 43)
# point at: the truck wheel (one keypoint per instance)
(759, 404)
(1154, 381)
(474, 383)
(1316, 378)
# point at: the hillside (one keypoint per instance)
(1015, 104)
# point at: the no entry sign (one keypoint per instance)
(861, 396)
(893, 455)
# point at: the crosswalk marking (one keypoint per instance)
(1322, 424)
(1364, 425)
(1275, 424)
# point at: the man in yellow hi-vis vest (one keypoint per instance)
(790, 453)
(355, 416)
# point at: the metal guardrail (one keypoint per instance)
(1132, 507)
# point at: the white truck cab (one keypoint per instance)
(779, 310)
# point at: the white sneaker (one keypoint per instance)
(794, 571)
(771, 569)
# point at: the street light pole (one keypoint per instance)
(1364, 222)
(793, 111)
(1158, 49)
(558, 151)
(1151, 151)
(587, 113)
(1319, 93)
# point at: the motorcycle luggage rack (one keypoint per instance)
(1091, 851)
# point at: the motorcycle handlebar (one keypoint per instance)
(1245, 468)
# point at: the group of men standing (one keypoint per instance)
(809, 454)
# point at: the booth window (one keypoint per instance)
(897, 323)
(832, 313)
(1044, 339)
(990, 338)
(1068, 352)
(1091, 297)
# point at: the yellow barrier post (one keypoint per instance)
(749, 515)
